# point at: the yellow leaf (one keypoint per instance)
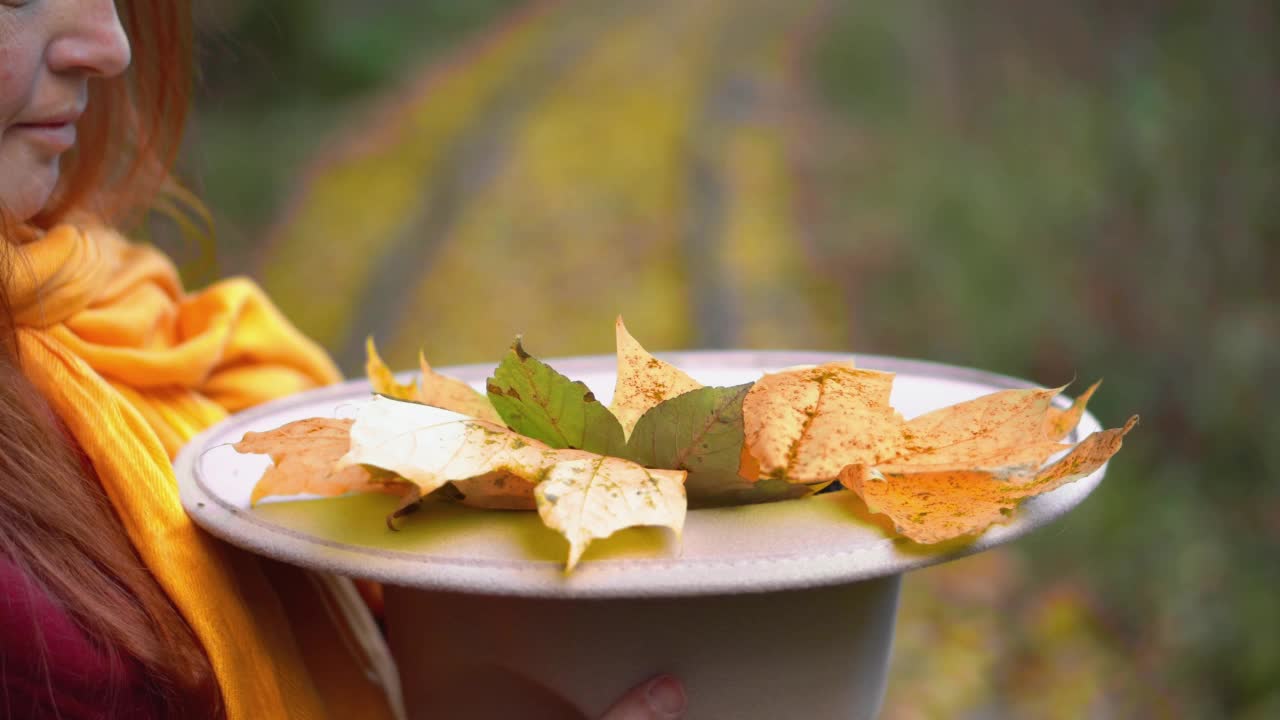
(430, 447)
(382, 379)
(977, 432)
(303, 454)
(935, 503)
(590, 497)
(1087, 457)
(583, 495)
(806, 425)
(943, 475)
(644, 381)
(432, 389)
(928, 506)
(453, 394)
(1060, 423)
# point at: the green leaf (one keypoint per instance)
(761, 491)
(536, 401)
(701, 431)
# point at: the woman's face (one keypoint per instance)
(49, 49)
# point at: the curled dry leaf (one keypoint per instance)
(304, 454)
(643, 381)
(432, 389)
(935, 503)
(496, 491)
(943, 475)
(382, 379)
(804, 426)
(583, 495)
(1059, 423)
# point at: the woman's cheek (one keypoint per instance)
(15, 85)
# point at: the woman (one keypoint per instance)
(112, 604)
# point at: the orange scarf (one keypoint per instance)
(135, 367)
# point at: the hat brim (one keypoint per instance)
(826, 539)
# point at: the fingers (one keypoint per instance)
(661, 698)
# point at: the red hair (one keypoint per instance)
(55, 522)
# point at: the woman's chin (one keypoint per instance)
(31, 193)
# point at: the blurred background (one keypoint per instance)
(1052, 190)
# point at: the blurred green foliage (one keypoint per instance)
(1037, 188)
(1054, 189)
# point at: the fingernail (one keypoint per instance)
(666, 696)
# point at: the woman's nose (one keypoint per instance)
(91, 41)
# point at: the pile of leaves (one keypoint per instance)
(537, 440)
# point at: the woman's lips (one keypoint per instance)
(55, 137)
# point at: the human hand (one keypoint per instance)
(495, 693)
(661, 698)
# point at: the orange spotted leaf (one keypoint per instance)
(644, 381)
(805, 425)
(1059, 423)
(935, 503)
(304, 454)
(979, 431)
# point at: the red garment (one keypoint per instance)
(64, 674)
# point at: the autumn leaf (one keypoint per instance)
(432, 389)
(966, 466)
(583, 495)
(536, 401)
(745, 492)
(496, 491)
(805, 425)
(453, 394)
(589, 472)
(1002, 426)
(382, 379)
(701, 431)
(934, 503)
(1059, 423)
(643, 381)
(589, 497)
(409, 504)
(304, 454)
(943, 475)
(430, 447)
(1082, 461)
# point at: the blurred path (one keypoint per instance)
(764, 284)
(579, 160)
